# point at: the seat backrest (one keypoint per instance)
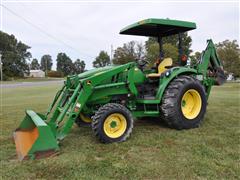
(165, 62)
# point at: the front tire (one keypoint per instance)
(184, 103)
(83, 120)
(112, 123)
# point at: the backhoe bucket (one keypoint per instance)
(34, 138)
(220, 76)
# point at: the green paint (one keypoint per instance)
(183, 103)
(156, 27)
(113, 124)
(84, 93)
(45, 141)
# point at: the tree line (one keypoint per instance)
(228, 52)
(16, 55)
(64, 64)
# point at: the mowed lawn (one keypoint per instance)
(152, 152)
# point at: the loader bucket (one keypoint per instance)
(34, 138)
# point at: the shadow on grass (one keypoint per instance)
(146, 121)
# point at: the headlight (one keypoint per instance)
(167, 73)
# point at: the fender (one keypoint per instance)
(171, 74)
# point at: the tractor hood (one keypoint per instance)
(139, 76)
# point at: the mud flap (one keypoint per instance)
(34, 138)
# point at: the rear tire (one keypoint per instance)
(112, 123)
(184, 103)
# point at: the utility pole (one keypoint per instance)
(1, 66)
(1, 93)
(46, 67)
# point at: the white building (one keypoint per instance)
(230, 77)
(37, 73)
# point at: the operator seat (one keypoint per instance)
(162, 67)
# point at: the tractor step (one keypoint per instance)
(149, 97)
(151, 112)
(148, 101)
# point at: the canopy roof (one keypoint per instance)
(158, 27)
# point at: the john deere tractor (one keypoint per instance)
(110, 98)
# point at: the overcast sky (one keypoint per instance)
(90, 27)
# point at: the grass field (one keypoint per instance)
(31, 80)
(153, 152)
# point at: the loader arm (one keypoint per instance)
(77, 99)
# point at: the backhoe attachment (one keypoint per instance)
(210, 65)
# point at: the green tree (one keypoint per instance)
(170, 42)
(153, 52)
(195, 58)
(46, 62)
(229, 53)
(140, 50)
(128, 53)
(102, 60)
(34, 64)
(64, 64)
(171, 51)
(79, 66)
(15, 55)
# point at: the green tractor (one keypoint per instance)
(110, 98)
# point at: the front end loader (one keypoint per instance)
(109, 98)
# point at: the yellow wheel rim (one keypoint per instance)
(191, 104)
(115, 125)
(85, 118)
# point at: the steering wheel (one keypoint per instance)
(141, 63)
